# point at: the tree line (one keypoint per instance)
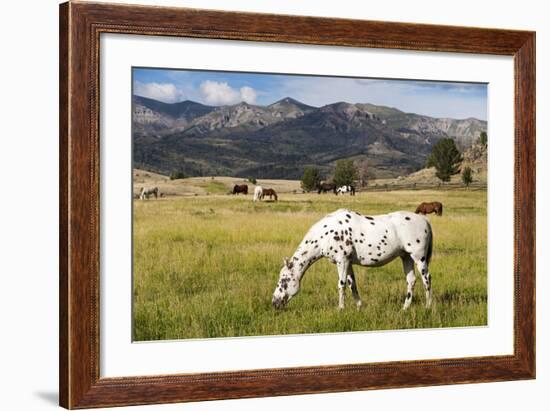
(445, 157)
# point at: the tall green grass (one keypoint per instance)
(207, 267)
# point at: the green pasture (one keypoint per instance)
(206, 266)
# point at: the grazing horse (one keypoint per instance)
(427, 208)
(347, 237)
(325, 187)
(240, 188)
(258, 193)
(145, 193)
(346, 189)
(269, 192)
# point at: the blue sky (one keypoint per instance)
(437, 99)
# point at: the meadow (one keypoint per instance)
(206, 266)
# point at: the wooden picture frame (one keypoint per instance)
(80, 27)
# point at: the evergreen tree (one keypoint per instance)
(467, 176)
(310, 179)
(446, 159)
(345, 173)
(483, 138)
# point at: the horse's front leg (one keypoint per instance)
(408, 269)
(343, 266)
(353, 287)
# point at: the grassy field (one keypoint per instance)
(207, 265)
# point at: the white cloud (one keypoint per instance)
(248, 94)
(218, 93)
(166, 92)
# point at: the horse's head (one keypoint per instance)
(287, 287)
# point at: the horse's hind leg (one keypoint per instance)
(353, 286)
(422, 266)
(408, 269)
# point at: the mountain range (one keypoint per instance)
(279, 140)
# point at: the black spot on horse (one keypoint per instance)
(407, 218)
(336, 238)
(339, 222)
(370, 245)
(422, 259)
(341, 283)
(418, 241)
(409, 295)
(304, 253)
(348, 216)
(409, 244)
(325, 226)
(372, 223)
(374, 259)
(362, 235)
(332, 231)
(369, 218)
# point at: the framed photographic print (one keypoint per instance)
(258, 205)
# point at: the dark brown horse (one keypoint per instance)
(242, 188)
(269, 192)
(325, 187)
(428, 208)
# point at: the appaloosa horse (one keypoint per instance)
(346, 237)
(240, 188)
(269, 192)
(427, 208)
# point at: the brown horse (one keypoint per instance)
(428, 208)
(325, 187)
(269, 192)
(242, 188)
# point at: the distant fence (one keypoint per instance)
(422, 186)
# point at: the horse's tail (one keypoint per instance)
(440, 213)
(430, 244)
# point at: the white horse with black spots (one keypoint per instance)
(258, 191)
(346, 237)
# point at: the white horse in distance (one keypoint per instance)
(346, 189)
(145, 193)
(346, 237)
(258, 192)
